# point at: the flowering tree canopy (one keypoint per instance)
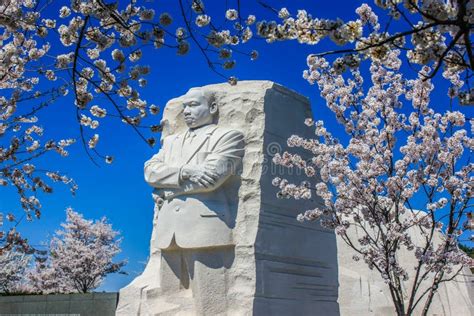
(80, 255)
(392, 164)
(402, 171)
(13, 265)
(431, 32)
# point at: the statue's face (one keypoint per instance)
(197, 110)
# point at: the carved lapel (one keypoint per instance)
(197, 144)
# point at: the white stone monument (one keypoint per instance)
(222, 243)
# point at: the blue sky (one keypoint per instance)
(118, 191)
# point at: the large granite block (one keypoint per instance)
(278, 266)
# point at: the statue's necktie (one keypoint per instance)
(190, 137)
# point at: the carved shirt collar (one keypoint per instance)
(200, 130)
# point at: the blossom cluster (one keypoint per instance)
(13, 265)
(400, 151)
(436, 33)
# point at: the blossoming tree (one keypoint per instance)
(80, 255)
(401, 171)
(392, 165)
(13, 265)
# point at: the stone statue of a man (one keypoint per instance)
(194, 224)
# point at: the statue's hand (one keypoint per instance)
(200, 175)
(158, 198)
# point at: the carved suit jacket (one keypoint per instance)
(195, 216)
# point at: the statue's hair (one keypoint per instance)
(209, 95)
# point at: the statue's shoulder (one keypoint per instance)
(226, 135)
(221, 131)
(168, 139)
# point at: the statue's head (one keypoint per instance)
(199, 107)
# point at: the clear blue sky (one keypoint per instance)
(118, 191)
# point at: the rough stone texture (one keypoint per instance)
(90, 304)
(280, 266)
(363, 292)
